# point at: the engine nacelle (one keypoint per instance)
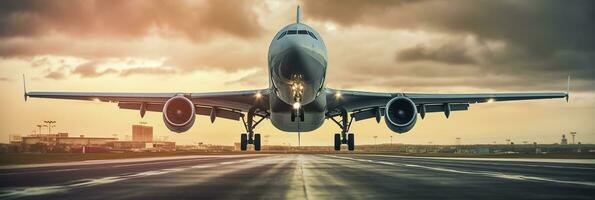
(179, 114)
(400, 114)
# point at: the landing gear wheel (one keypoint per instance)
(344, 137)
(249, 137)
(350, 142)
(257, 142)
(244, 142)
(337, 142)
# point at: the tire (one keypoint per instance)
(350, 142)
(257, 142)
(337, 142)
(244, 142)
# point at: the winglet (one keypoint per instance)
(568, 89)
(297, 17)
(24, 88)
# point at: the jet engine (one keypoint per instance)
(179, 114)
(400, 114)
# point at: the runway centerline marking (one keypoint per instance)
(481, 173)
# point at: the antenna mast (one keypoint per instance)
(297, 17)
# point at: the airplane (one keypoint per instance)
(297, 99)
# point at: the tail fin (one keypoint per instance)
(298, 15)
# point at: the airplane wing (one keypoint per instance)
(364, 105)
(230, 105)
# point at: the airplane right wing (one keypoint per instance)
(229, 105)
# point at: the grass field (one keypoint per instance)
(35, 158)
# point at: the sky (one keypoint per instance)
(386, 46)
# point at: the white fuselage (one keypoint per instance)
(297, 67)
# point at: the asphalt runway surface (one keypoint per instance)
(302, 176)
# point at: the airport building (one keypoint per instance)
(142, 140)
(142, 133)
(61, 142)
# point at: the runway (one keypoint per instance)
(302, 176)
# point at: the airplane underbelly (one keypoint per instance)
(282, 121)
(314, 115)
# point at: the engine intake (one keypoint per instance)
(179, 114)
(400, 114)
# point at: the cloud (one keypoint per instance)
(541, 27)
(190, 35)
(534, 44)
(545, 40)
(147, 71)
(254, 78)
(450, 53)
(89, 70)
(127, 19)
(56, 75)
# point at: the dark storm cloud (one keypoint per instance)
(541, 26)
(543, 39)
(129, 19)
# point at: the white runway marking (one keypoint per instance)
(118, 161)
(567, 161)
(42, 171)
(482, 173)
(44, 190)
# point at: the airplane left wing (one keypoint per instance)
(364, 105)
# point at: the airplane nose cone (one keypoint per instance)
(299, 59)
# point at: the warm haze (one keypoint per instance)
(425, 46)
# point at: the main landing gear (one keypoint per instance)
(250, 137)
(344, 137)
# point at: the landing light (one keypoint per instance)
(338, 94)
(491, 100)
(96, 99)
(258, 95)
(296, 105)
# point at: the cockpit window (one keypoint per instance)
(312, 35)
(293, 32)
(282, 34)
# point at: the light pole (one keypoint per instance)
(391, 140)
(39, 126)
(375, 144)
(375, 139)
(573, 134)
(50, 122)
